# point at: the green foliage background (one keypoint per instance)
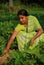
(8, 22)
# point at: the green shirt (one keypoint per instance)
(33, 24)
(24, 37)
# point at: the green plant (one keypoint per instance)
(34, 57)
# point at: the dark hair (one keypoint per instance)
(22, 12)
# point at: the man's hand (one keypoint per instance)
(5, 51)
(32, 42)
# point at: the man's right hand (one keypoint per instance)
(5, 51)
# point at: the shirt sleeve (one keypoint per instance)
(36, 24)
(19, 27)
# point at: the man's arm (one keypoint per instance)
(40, 31)
(11, 40)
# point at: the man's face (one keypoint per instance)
(23, 19)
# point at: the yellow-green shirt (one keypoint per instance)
(24, 37)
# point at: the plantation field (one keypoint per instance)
(8, 22)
